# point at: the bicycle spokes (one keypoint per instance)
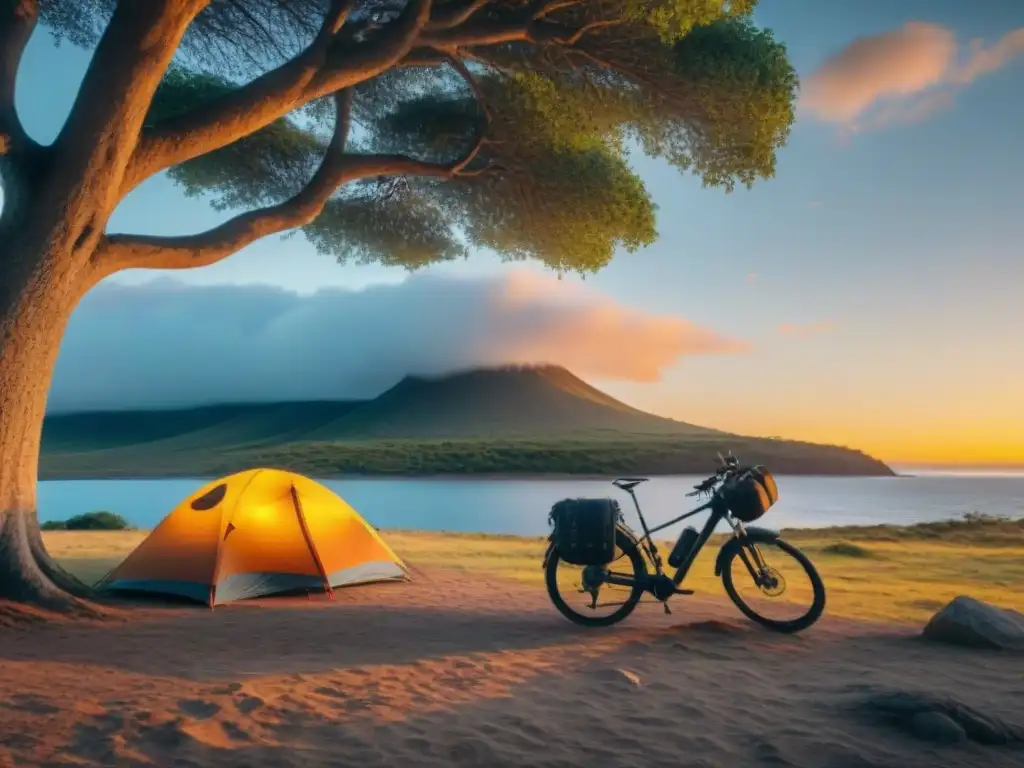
(771, 583)
(586, 589)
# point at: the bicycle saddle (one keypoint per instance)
(629, 483)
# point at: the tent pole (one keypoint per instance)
(309, 542)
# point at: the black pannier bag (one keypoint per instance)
(753, 495)
(584, 530)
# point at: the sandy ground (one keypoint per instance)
(449, 672)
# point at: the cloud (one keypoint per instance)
(985, 60)
(901, 76)
(897, 63)
(165, 343)
(806, 330)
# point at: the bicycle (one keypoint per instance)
(593, 531)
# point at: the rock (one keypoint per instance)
(972, 623)
(937, 727)
(939, 719)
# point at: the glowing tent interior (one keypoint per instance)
(255, 533)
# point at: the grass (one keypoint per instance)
(885, 573)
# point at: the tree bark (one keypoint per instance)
(57, 202)
(38, 291)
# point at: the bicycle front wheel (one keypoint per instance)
(774, 584)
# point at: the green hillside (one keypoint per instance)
(521, 420)
(203, 427)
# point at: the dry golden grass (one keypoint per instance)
(874, 574)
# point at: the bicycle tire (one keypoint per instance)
(630, 550)
(784, 627)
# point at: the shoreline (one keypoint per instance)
(950, 524)
(446, 477)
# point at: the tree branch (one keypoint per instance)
(366, 166)
(123, 251)
(541, 8)
(621, 69)
(102, 129)
(579, 33)
(449, 17)
(166, 144)
(369, 166)
(334, 20)
(17, 20)
(323, 68)
(485, 32)
(351, 64)
(423, 57)
(336, 169)
(527, 24)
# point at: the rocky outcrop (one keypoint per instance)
(940, 720)
(976, 624)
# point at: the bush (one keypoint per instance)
(847, 549)
(90, 521)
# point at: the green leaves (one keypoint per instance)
(565, 196)
(745, 89)
(266, 167)
(398, 229)
(693, 82)
(674, 19)
(571, 209)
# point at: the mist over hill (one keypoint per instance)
(506, 420)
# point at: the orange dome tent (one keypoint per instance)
(259, 532)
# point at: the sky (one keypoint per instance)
(869, 295)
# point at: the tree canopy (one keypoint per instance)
(502, 124)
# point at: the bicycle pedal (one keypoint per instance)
(684, 592)
(667, 609)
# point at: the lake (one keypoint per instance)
(521, 506)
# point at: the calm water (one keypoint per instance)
(521, 506)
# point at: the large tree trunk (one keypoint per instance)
(57, 200)
(38, 290)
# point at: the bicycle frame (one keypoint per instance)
(719, 512)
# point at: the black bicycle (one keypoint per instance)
(590, 539)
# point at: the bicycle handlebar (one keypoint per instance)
(730, 467)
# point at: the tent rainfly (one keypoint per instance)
(259, 532)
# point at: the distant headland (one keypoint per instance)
(514, 420)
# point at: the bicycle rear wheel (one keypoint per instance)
(574, 589)
(787, 595)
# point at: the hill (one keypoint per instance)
(512, 420)
(512, 403)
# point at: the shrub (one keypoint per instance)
(847, 549)
(90, 521)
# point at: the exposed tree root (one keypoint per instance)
(34, 588)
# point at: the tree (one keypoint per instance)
(399, 131)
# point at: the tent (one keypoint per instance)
(258, 532)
